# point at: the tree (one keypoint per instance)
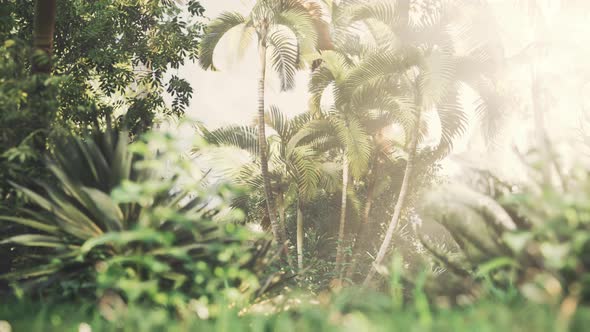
(356, 113)
(296, 170)
(285, 30)
(92, 50)
(423, 54)
(384, 175)
(96, 48)
(44, 27)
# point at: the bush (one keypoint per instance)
(530, 239)
(139, 221)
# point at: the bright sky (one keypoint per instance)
(229, 96)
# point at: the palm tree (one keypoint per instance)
(296, 169)
(385, 174)
(285, 30)
(344, 124)
(356, 113)
(422, 53)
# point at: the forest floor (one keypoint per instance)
(366, 314)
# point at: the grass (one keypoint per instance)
(347, 312)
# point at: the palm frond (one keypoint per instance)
(242, 137)
(490, 107)
(311, 130)
(454, 121)
(330, 176)
(306, 173)
(215, 31)
(297, 19)
(246, 36)
(437, 74)
(356, 143)
(284, 57)
(383, 64)
(320, 80)
(278, 121)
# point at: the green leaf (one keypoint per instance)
(143, 235)
(36, 240)
(37, 271)
(106, 209)
(32, 223)
(517, 241)
(284, 57)
(495, 264)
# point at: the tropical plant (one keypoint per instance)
(144, 40)
(502, 238)
(297, 171)
(285, 31)
(421, 52)
(138, 220)
(356, 114)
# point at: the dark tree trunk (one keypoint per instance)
(44, 28)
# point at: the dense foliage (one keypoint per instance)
(136, 220)
(501, 238)
(110, 58)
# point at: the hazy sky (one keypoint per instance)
(229, 96)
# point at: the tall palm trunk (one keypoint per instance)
(361, 238)
(340, 245)
(299, 236)
(44, 27)
(276, 229)
(400, 200)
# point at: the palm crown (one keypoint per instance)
(286, 27)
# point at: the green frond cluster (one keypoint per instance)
(215, 31)
(289, 29)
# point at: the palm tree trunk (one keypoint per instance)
(44, 27)
(275, 227)
(361, 238)
(280, 201)
(340, 244)
(400, 200)
(299, 236)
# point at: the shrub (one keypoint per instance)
(534, 239)
(136, 220)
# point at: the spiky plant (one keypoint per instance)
(285, 31)
(135, 220)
